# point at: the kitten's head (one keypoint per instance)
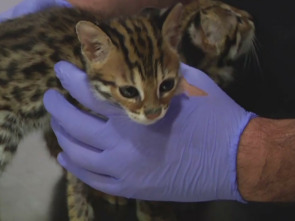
(215, 36)
(133, 62)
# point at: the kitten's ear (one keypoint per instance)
(214, 31)
(171, 29)
(96, 44)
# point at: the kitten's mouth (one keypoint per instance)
(148, 117)
(153, 113)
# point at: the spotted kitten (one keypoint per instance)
(131, 61)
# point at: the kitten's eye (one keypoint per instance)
(167, 85)
(129, 92)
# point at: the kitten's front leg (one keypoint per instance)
(51, 141)
(79, 209)
(10, 135)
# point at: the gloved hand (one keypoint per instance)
(29, 6)
(189, 155)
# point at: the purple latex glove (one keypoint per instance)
(29, 6)
(189, 155)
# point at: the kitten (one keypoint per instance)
(131, 61)
(128, 60)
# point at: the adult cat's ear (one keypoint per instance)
(171, 29)
(96, 44)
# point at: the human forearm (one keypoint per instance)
(266, 161)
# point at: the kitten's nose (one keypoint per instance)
(152, 113)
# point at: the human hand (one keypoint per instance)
(29, 6)
(189, 155)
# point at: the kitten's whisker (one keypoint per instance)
(255, 50)
(246, 60)
(248, 57)
(256, 43)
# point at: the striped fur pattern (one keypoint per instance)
(131, 61)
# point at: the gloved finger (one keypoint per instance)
(97, 181)
(76, 83)
(30, 6)
(84, 156)
(78, 124)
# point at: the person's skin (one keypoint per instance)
(266, 161)
(118, 7)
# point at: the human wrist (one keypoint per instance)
(265, 161)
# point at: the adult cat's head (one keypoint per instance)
(215, 35)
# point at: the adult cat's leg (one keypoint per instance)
(11, 133)
(79, 209)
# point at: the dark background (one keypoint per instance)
(270, 89)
